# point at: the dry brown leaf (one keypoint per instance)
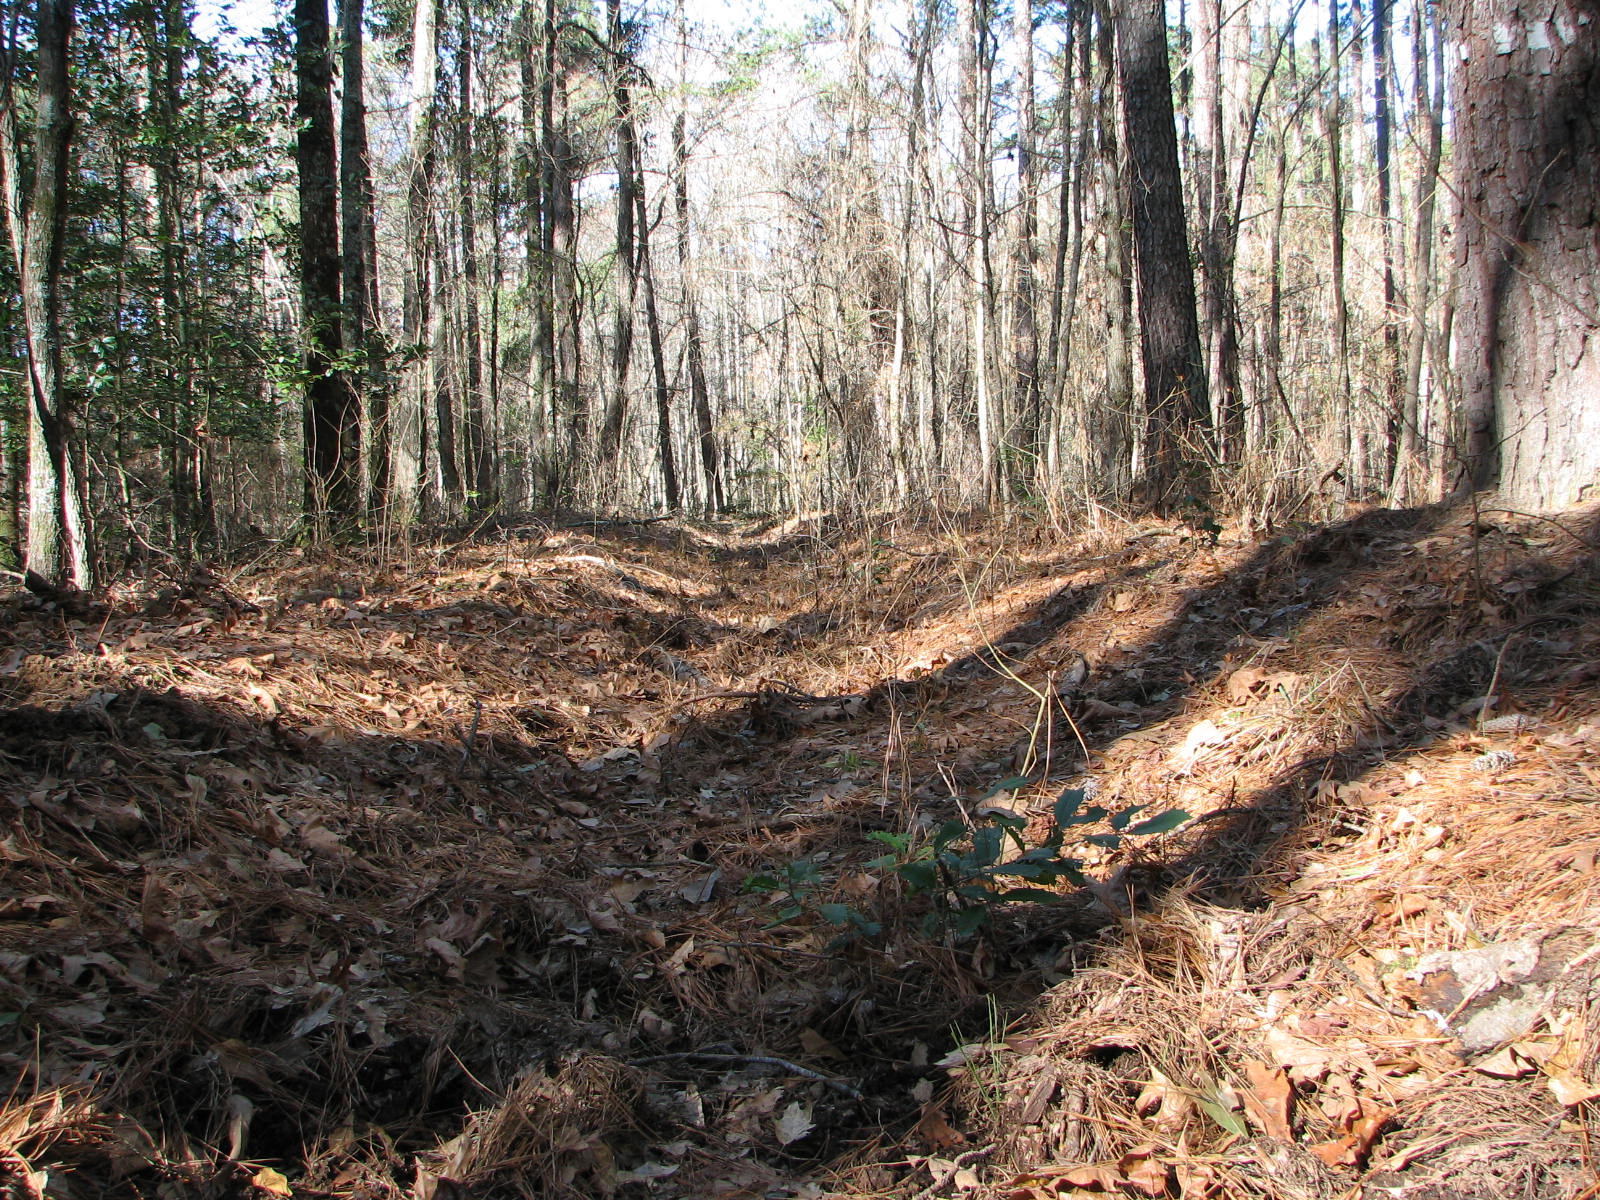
(934, 1128)
(1269, 1101)
(818, 1046)
(1102, 1178)
(1143, 1172)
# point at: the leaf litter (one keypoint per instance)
(421, 876)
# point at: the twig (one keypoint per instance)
(760, 1060)
(1512, 512)
(471, 735)
(1499, 659)
(956, 1164)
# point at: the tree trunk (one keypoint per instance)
(1527, 111)
(479, 458)
(561, 234)
(1410, 467)
(165, 29)
(626, 282)
(362, 333)
(1349, 449)
(1217, 234)
(537, 261)
(1110, 424)
(1025, 326)
(658, 363)
(332, 420)
(694, 350)
(1177, 456)
(57, 545)
(1382, 69)
(407, 415)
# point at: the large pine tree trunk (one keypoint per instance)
(358, 231)
(1527, 105)
(1177, 436)
(332, 425)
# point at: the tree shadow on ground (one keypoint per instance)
(204, 903)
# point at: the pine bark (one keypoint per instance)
(362, 332)
(332, 424)
(1527, 110)
(1176, 422)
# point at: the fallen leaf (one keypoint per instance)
(1144, 1172)
(1572, 1089)
(1105, 1179)
(1505, 1063)
(818, 1046)
(935, 1130)
(793, 1124)
(1269, 1100)
(272, 1182)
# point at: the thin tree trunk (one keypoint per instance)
(1410, 466)
(479, 459)
(626, 282)
(694, 350)
(1025, 326)
(407, 426)
(1110, 425)
(1350, 442)
(561, 242)
(362, 333)
(537, 261)
(647, 285)
(1382, 68)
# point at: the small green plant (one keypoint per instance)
(970, 869)
(797, 887)
(850, 760)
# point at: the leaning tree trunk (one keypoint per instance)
(55, 519)
(1177, 455)
(1527, 110)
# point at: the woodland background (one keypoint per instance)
(436, 262)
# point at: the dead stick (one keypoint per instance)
(471, 735)
(762, 1060)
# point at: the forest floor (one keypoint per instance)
(671, 860)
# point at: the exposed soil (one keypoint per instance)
(430, 875)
